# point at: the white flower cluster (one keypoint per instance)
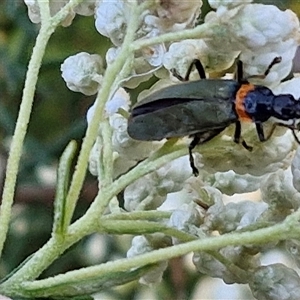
(113, 17)
(257, 34)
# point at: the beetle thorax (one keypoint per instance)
(259, 103)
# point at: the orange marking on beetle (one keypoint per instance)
(239, 101)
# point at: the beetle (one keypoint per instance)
(204, 108)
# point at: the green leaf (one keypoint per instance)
(80, 286)
(63, 181)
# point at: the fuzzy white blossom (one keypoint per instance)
(151, 190)
(275, 282)
(231, 183)
(208, 264)
(234, 216)
(86, 9)
(180, 55)
(146, 62)
(193, 195)
(251, 29)
(111, 19)
(186, 218)
(293, 247)
(173, 15)
(83, 73)
(142, 244)
(230, 156)
(277, 190)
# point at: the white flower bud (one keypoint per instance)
(86, 9)
(251, 29)
(55, 6)
(141, 195)
(265, 157)
(277, 190)
(181, 54)
(154, 276)
(120, 99)
(234, 216)
(82, 73)
(140, 245)
(177, 11)
(111, 20)
(151, 190)
(207, 264)
(231, 183)
(276, 282)
(186, 218)
(293, 247)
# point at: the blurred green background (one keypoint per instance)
(58, 116)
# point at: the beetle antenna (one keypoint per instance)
(192, 145)
(176, 74)
(275, 61)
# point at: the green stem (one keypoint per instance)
(139, 215)
(199, 32)
(20, 130)
(48, 26)
(109, 79)
(86, 224)
(261, 236)
(142, 227)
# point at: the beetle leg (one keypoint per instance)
(237, 132)
(275, 61)
(271, 131)
(200, 138)
(293, 127)
(199, 67)
(176, 74)
(192, 145)
(239, 71)
(237, 136)
(260, 132)
(295, 136)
